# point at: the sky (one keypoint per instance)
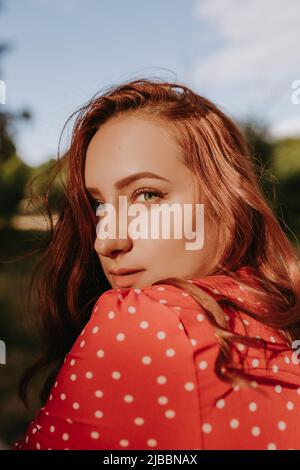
(243, 55)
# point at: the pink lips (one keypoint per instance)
(125, 277)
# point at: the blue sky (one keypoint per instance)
(242, 55)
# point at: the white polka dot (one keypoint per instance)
(128, 398)
(146, 360)
(234, 423)
(161, 335)
(82, 344)
(162, 400)
(65, 436)
(272, 339)
(138, 421)
(38, 445)
(275, 369)
(161, 379)
(193, 341)
(203, 365)
(185, 294)
(137, 291)
(287, 360)
(120, 336)
(271, 446)
(144, 325)
(236, 388)
(95, 329)
(255, 362)
(252, 406)
(69, 421)
(200, 317)
(152, 442)
(34, 430)
(169, 414)
(73, 377)
(124, 443)
(116, 374)
(241, 347)
(161, 288)
(131, 309)
(111, 315)
(62, 396)
(162, 301)
(72, 362)
(246, 322)
(51, 397)
(100, 353)
(290, 405)
(89, 375)
(298, 390)
(281, 425)
(94, 435)
(255, 431)
(189, 386)
(278, 389)
(55, 385)
(220, 403)
(98, 414)
(170, 352)
(52, 428)
(76, 406)
(206, 427)
(98, 393)
(254, 384)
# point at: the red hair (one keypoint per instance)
(215, 150)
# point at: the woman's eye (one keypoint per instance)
(149, 195)
(97, 204)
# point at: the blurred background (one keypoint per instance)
(56, 54)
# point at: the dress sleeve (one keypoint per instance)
(128, 382)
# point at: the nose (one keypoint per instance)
(112, 247)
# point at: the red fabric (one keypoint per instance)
(141, 376)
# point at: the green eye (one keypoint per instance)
(155, 194)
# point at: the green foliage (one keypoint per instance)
(286, 157)
(13, 177)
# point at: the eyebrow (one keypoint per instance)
(122, 183)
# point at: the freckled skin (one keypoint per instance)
(131, 144)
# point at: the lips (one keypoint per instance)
(125, 277)
(123, 271)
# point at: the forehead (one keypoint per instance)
(131, 144)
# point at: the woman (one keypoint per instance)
(157, 346)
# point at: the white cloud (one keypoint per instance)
(258, 54)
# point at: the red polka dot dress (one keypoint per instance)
(141, 376)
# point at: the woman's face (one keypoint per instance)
(132, 144)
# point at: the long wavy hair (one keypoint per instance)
(69, 277)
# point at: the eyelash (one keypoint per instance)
(97, 202)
